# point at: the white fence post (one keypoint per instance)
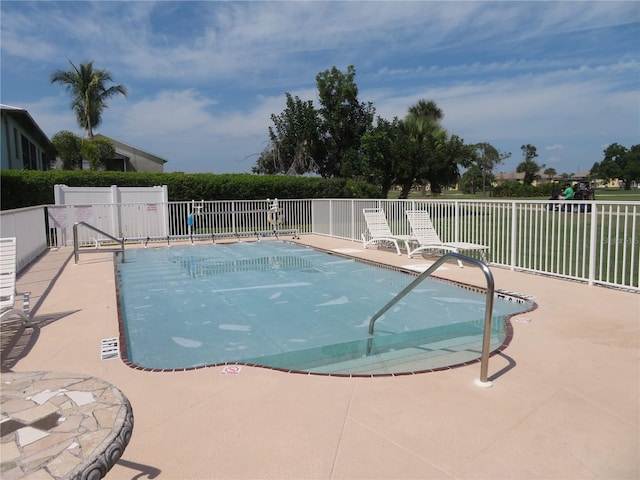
(514, 229)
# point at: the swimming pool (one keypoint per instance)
(280, 305)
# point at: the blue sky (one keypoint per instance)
(205, 77)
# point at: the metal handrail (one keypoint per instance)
(76, 250)
(488, 314)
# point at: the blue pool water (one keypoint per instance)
(285, 306)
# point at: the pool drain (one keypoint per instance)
(109, 348)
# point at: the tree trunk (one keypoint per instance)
(89, 128)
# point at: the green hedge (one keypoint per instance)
(517, 189)
(24, 188)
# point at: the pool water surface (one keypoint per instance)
(284, 306)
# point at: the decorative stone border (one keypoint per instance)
(61, 425)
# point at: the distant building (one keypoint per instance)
(24, 144)
(519, 177)
(132, 159)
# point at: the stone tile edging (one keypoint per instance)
(62, 425)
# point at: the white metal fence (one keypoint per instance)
(179, 220)
(595, 242)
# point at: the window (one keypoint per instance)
(29, 158)
(15, 144)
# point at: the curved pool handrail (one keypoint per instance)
(76, 249)
(488, 314)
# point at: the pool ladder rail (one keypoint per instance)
(121, 241)
(76, 248)
(488, 313)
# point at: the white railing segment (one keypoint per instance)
(596, 242)
(136, 222)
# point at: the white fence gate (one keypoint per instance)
(123, 212)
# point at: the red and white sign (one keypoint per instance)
(231, 370)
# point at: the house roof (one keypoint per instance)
(27, 122)
(130, 148)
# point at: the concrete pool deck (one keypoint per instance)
(565, 401)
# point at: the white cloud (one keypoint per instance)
(205, 77)
(190, 131)
(168, 113)
(235, 38)
(53, 114)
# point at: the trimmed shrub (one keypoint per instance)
(517, 189)
(24, 188)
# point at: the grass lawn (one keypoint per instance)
(561, 242)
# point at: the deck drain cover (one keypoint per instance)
(109, 348)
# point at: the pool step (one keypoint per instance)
(391, 353)
(412, 359)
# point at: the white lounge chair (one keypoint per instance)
(379, 231)
(427, 238)
(8, 284)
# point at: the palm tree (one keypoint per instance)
(89, 93)
(529, 166)
(426, 109)
(422, 127)
(550, 173)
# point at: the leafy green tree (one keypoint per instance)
(529, 166)
(471, 179)
(486, 159)
(89, 93)
(426, 109)
(68, 147)
(73, 150)
(448, 153)
(429, 155)
(619, 162)
(550, 173)
(417, 137)
(294, 140)
(343, 122)
(96, 151)
(382, 149)
(419, 128)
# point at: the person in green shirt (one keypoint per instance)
(568, 192)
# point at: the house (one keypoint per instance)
(24, 144)
(132, 159)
